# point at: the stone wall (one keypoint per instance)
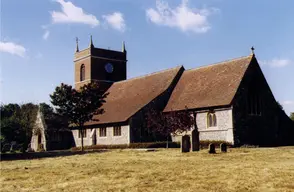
(39, 130)
(222, 132)
(108, 140)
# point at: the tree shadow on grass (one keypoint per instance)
(45, 154)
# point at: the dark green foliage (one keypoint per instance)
(169, 123)
(292, 116)
(54, 121)
(165, 124)
(17, 122)
(79, 106)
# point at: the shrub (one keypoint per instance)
(203, 144)
(131, 145)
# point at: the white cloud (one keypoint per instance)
(116, 21)
(46, 35)
(288, 102)
(12, 48)
(182, 17)
(276, 62)
(73, 14)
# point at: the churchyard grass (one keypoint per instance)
(240, 169)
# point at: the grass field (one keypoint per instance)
(255, 169)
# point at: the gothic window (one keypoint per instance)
(117, 131)
(254, 102)
(102, 132)
(211, 119)
(82, 73)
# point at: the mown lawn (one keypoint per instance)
(258, 169)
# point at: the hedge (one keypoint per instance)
(203, 144)
(131, 145)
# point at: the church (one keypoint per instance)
(230, 101)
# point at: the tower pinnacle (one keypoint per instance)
(91, 42)
(123, 47)
(77, 45)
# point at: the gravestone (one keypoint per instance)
(195, 140)
(223, 147)
(186, 144)
(211, 148)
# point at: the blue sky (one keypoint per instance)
(38, 39)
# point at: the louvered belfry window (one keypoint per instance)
(82, 73)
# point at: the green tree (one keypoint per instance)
(80, 106)
(165, 124)
(292, 116)
(54, 121)
(17, 122)
(28, 117)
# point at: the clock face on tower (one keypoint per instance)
(109, 68)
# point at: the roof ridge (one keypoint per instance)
(219, 63)
(149, 74)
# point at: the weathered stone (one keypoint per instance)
(211, 148)
(195, 140)
(223, 147)
(186, 144)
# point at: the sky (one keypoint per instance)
(38, 39)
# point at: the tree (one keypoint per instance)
(174, 122)
(80, 106)
(17, 122)
(292, 116)
(28, 118)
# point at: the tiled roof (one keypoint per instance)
(129, 96)
(208, 86)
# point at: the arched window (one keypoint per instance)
(211, 120)
(82, 73)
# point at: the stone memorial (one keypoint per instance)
(186, 144)
(223, 147)
(211, 148)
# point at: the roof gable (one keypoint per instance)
(208, 86)
(129, 96)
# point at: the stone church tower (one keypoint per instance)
(101, 65)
